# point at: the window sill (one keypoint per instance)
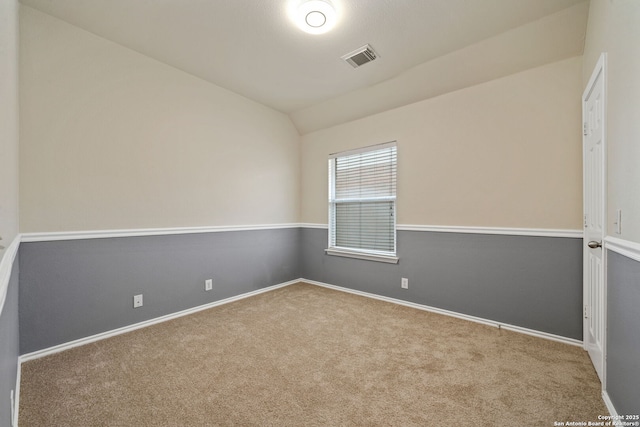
(363, 255)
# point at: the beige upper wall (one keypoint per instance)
(614, 28)
(9, 126)
(505, 153)
(111, 139)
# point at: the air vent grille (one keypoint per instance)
(360, 56)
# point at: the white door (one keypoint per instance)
(594, 152)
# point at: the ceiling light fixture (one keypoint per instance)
(316, 16)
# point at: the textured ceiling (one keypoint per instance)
(252, 48)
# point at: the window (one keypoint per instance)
(362, 203)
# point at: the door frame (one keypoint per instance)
(599, 69)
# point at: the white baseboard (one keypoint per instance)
(609, 404)
(16, 394)
(93, 338)
(462, 316)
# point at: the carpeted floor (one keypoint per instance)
(309, 356)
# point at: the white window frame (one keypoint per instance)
(367, 254)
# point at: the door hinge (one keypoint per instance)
(584, 129)
(586, 312)
(585, 221)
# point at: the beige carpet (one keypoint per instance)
(308, 356)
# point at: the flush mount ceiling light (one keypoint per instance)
(315, 16)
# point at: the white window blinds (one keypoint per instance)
(362, 199)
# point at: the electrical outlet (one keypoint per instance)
(404, 283)
(137, 301)
(208, 284)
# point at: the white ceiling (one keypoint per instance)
(252, 48)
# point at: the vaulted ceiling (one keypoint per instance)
(251, 47)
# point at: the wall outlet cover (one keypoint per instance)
(137, 301)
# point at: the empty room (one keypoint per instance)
(319, 212)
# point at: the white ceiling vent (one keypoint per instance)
(360, 56)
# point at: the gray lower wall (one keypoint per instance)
(78, 288)
(532, 282)
(623, 333)
(9, 346)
